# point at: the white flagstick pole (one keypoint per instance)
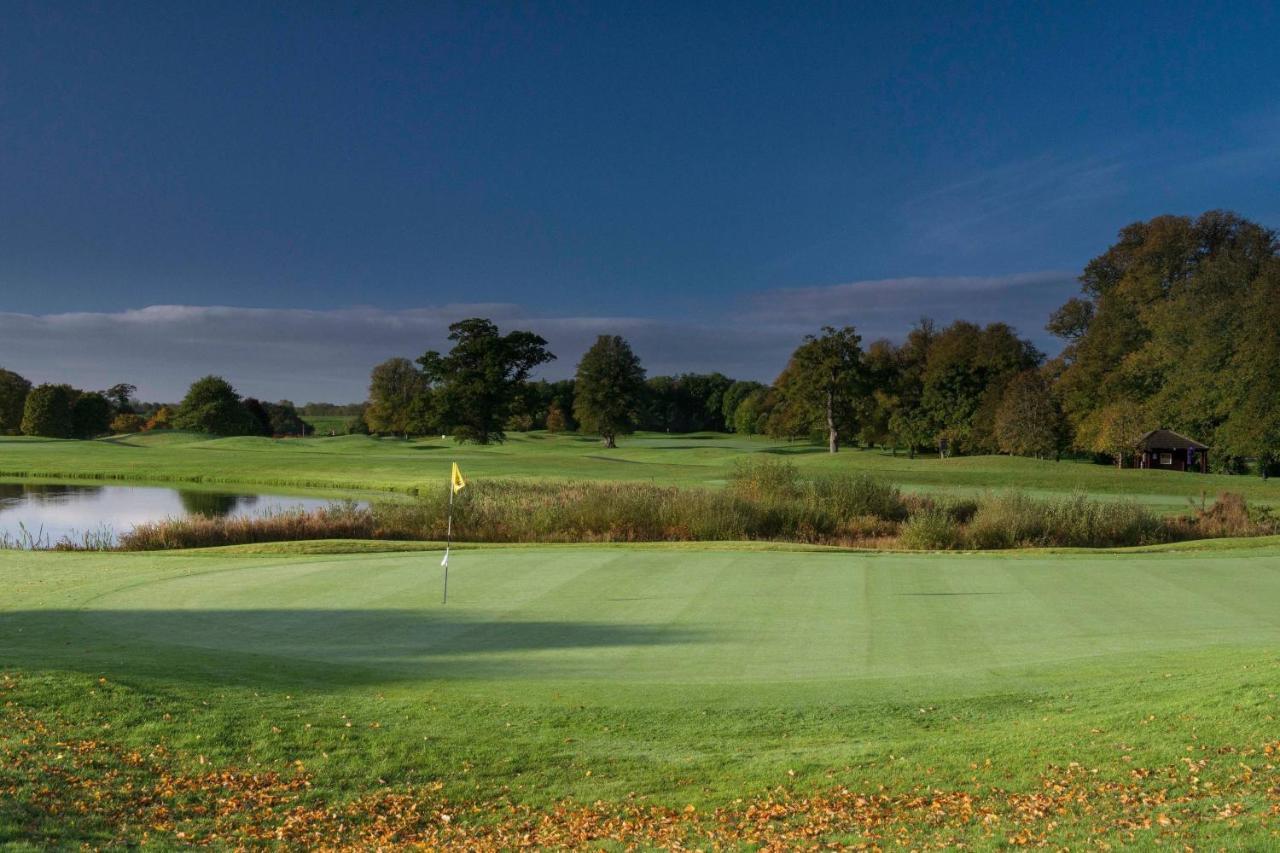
(448, 542)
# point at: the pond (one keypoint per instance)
(46, 512)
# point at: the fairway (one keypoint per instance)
(674, 674)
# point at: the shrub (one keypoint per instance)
(933, 529)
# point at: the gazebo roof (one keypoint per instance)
(1167, 439)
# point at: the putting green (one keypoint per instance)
(632, 617)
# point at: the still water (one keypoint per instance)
(51, 511)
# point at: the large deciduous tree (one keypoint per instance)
(213, 406)
(1176, 317)
(13, 396)
(90, 415)
(825, 382)
(396, 389)
(609, 389)
(475, 384)
(1029, 421)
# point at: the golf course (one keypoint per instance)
(732, 694)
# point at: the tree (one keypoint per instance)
(476, 383)
(555, 417)
(119, 395)
(751, 413)
(162, 419)
(1167, 317)
(1120, 425)
(47, 411)
(826, 381)
(13, 397)
(1029, 421)
(261, 419)
(283, 418)
(213, 406)
(732, 399)
(127, 423)
(609, 389)
(90, 415)
(394, 385)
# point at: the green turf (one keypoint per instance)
(363, 463)
(683, 674)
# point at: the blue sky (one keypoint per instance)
(715, 179)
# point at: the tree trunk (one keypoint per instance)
(610, 442)
(833, 437)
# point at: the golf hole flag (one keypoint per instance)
(456, 484)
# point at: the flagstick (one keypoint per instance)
(448, 542)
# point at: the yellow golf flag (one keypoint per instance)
(458, 483)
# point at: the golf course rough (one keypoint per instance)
(666, 683)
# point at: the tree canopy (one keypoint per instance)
(609, 389)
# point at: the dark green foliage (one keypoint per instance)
(732, 399)
(119, 395)
(825, 383)
(213, 406)
(690, 402)
(90, 415)
(13, 397)
(285, 420)
(609, 389)
(397, 396)
(1178, 318)
(258, 412)
(475, 385)
(47, 411)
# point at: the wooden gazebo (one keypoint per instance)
(1166, 450)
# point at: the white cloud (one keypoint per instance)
(308, 354)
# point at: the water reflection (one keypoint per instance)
(53, 510)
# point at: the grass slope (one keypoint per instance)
(681, 675)
(359, 463)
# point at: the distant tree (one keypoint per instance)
(609, 389)
(1029, 421)
(284, 419)
(127, 424)
(394, 385)
(47, 411)
(213, 406)
(475, 384)
(555, 417)
(825, 381)
(120, 394)
(750, 413)
(261, 417)
(1120, 425)
(90, 415)
(360, 423)
(162, 418)
(732, 399)
(13, 397)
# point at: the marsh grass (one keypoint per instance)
(764, 500)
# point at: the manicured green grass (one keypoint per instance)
(325, 424)
(354, 463)
(684, 675)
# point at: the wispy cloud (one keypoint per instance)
(326, 355)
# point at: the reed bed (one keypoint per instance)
(764, 500)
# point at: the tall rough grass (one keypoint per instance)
(765, 500)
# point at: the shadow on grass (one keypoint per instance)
(795, 451)
(322, 647)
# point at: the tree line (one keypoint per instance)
(1177, 326)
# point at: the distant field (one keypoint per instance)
(325, 424)
(361, 463)
(1143, 686)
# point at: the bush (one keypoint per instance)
(933, 529)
